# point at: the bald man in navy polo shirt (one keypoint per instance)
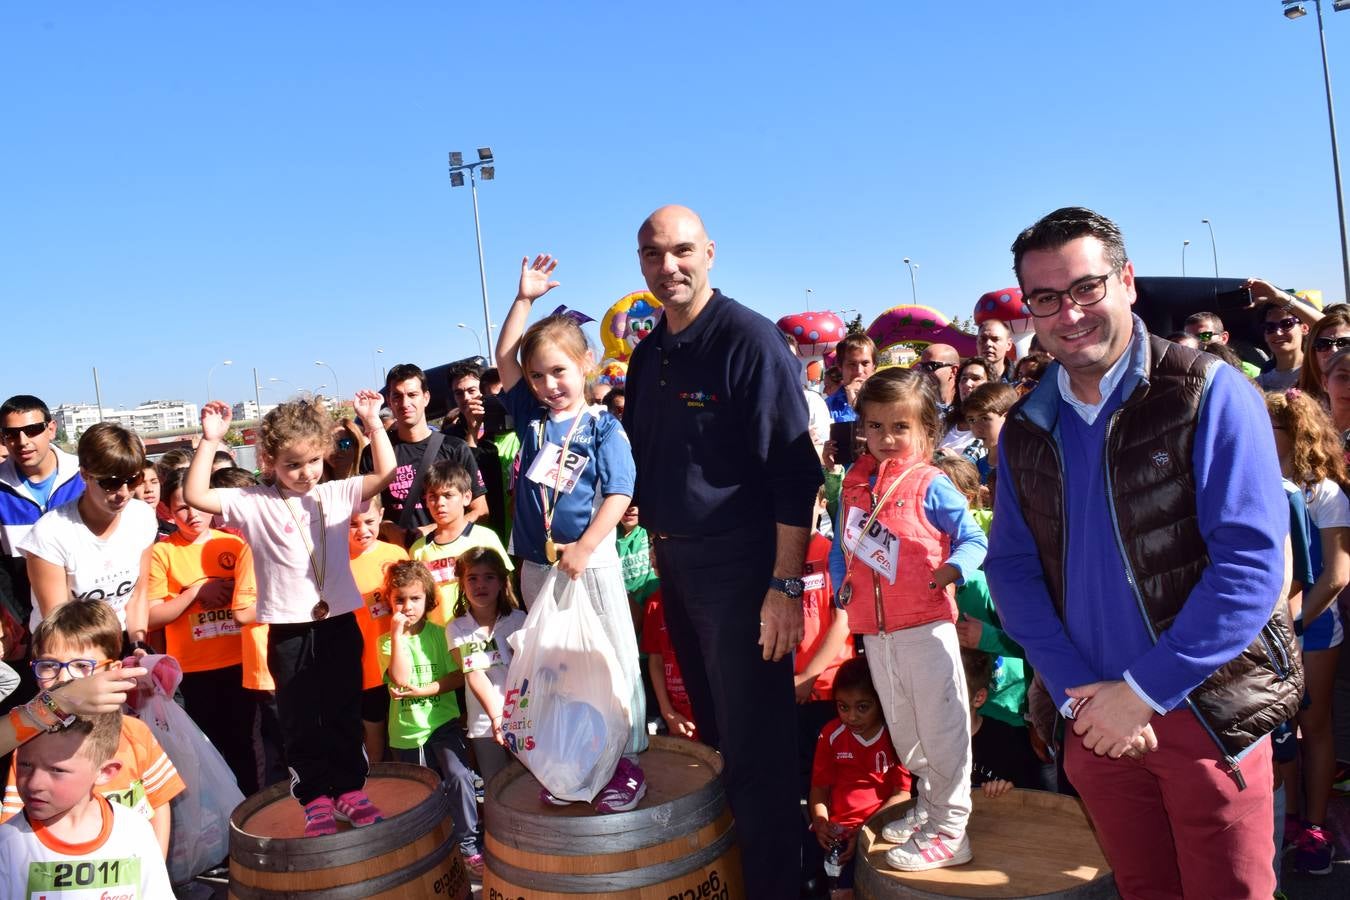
(726, 483)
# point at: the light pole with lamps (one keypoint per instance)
(283, 381)
(336, 390)
(809, 292)
(1184, 245)
(1213, 247)
(374, 367)
(473, 331)
(457, 169)
(1295, 10)
(913, 282)
(223, 362)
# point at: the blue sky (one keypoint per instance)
(266, 182)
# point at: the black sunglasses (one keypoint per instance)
(1288, 324)
(32, 430)
(932, 365)
(114, 483)
(1322, 345)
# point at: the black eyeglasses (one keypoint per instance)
(1288, 324)
(114, 483)
(932, 365)
(1083, 292)
(1326, 345)
(32, 430)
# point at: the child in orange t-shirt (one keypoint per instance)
(78, 639)
(191, 588)
(371, 557)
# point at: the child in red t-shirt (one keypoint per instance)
(856, 771)
(664, 669)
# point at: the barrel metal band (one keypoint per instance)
(369, 888)
(610, 881)
(269, 854)
(635, 830)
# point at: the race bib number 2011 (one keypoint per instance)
(87, 879)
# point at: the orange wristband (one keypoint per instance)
(24, 730)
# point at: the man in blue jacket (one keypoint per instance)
(1137, 556)
(36, 477)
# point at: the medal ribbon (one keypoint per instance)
(550, 502)
(877, 505)
(314, 565)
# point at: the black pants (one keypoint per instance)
(317, 670)
(224, 711)
(267, 743)
(713, 589)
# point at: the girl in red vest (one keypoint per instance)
(905, 535)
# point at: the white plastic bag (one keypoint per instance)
(566, 714)
(200, 837)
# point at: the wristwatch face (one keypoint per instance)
(792, 587)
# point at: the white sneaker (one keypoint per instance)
(929, 850)
(902, 829)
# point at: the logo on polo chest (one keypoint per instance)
(697, 398)
(1160, 458)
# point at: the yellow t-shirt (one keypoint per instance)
(440, 559)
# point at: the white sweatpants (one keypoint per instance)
(918, 676)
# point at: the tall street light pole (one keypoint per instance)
(1184, 245)
(223, 362)
(1296, 10)
(1213, 247)
(473, 331)
(913, 282)
(337, 391)
(457, 169)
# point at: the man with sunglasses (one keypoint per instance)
(1139, 560)
(1207, 328)
(38, 476)
(941, 361)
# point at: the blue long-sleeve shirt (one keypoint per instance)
(1243, 517)
(948, 511)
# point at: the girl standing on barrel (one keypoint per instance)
(296, 529)
(905, 535)
(576, 481)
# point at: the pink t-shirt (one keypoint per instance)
(287, 589)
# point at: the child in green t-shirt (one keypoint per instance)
(422, 675)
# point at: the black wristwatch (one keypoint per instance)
(790, 587)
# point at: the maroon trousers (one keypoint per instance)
(1174, 823)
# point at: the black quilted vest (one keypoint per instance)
(1149, 442)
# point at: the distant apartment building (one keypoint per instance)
(247, 411)
(150, 417)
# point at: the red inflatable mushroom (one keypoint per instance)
(816, 333)
(1007, 306)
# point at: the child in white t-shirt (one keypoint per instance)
(70, 839)
(486, 614)
(296, 528)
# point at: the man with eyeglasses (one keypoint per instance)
(38, 476)
(941, 361)
(1139, 560)
(1207, 328)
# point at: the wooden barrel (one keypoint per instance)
(1026, 844)
(411, 854)
(679, 842)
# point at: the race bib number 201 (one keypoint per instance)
(87, 879)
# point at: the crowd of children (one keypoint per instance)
(311, 647)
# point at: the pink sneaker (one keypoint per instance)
(319, 819)
(625, 789)
(355, 808)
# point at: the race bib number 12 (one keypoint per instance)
(544, 470)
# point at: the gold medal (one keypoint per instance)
(845, 594)
(320, 610)
(550, 550)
